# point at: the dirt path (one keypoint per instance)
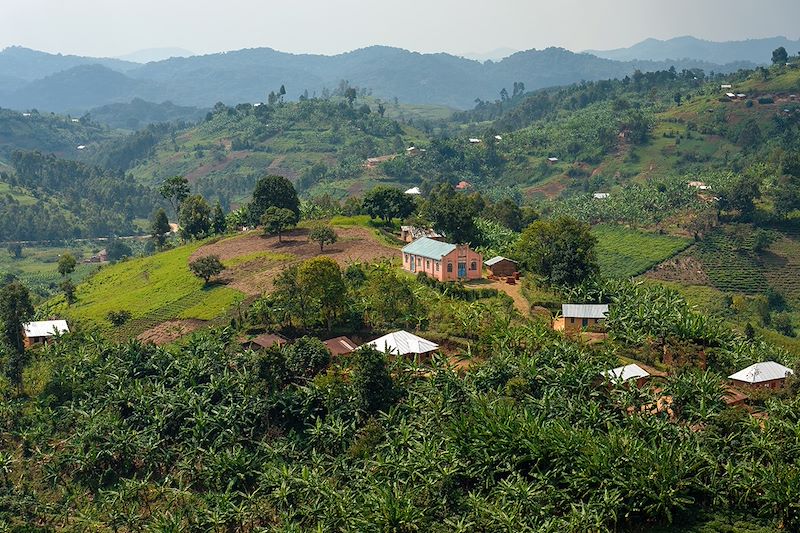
(515, 291)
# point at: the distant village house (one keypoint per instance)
(442, 261)
(39, 333)
(576, 317)
(264, 341)
(769, 375)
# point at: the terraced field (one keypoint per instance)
(729, 262)
(625, 253)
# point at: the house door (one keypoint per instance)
(462, 270)
(413, 262)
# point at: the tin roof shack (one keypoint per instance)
(42, 332)
(340, 346)
(579, 316)
(442, 261)
(264, 341)
(501, 267)
(626, 373)
(403, 343)
(412, 233)
(769, 375)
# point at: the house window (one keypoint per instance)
(405, 258)
(427, 264)
(572, 320)
(450, 267)
(473, 265)
(437, 266)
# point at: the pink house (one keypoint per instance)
(442, 260)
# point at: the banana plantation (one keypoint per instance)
(526, 436)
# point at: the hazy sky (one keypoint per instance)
(116, 27)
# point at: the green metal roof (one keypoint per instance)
(429, 248)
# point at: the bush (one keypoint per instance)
(206, 267)
(118, 318)
(307, 356)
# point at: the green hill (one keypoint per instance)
(319, 144)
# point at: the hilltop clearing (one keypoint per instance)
(164, 297)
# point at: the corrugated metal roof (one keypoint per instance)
(584, 310)
(403, 343)
(761, 372)
(624, 373)
(340, 345)
(494, 260)
(429, 248)
(46, 328)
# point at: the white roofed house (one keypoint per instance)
(41, 332)
(625, 373)
(768, 374)
(403, 343)
(413, 191)
(600, 195)
(575, 317)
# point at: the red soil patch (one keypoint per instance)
(208, 168)
(278, 168)
(170, 331)
(551, 189)
(685, 269)
(255, 277)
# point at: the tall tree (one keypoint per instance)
(276, 220)
(373, 384)
(175, 190)
(780, 56)
(218, 221)
(206, 267)
(66, 264)
(195, 217)
(15, 310)
(159, 227)
(561, 251)
(321, 279)
(387, 203)
(274, 191)
(452, 213)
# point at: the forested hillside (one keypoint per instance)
(246, 75)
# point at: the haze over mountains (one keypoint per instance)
(757, 51)
(74, 84)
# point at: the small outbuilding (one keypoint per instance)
(474, 140)
(413, 191)
(412, 233)
(463, 185)
(579, 316)
(41, 332)
(600, 195)
(340, 346)
(768, 374)
(622, 374)
(264, 341)
(403, 343)
(552, 160)
(502, 267)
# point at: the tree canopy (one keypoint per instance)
(561, 251)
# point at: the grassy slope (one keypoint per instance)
(624, 252)
(153, 289)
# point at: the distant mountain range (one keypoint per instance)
(758, 51)
(155, 54)
(75, 84)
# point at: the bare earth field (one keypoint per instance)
(257, 259)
